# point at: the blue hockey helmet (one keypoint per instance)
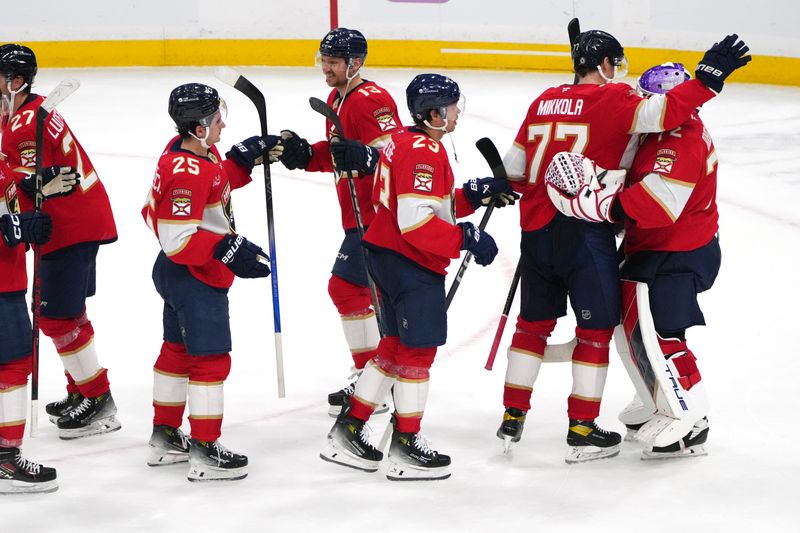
(193, 104)
(18, 60)
(593, 46)
(343, 42)
(431, 91)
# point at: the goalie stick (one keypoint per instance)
(56, 96)
(325, 110)
(244, 86)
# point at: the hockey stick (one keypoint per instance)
(489, 152)
(56, 96)
(325, 110)
(573, 31)
(503, 318)
(243, 85)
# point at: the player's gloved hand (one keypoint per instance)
(251, 151)
(720, 60)
(297, 152)
(479, 243)
(242, 257)
(481, 191)
(581, 189)
(56, 181)
(31, 226)
(354, 156)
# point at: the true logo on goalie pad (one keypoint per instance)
(423, 178)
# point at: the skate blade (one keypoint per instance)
(159, 457)
(98, 427)
(205, 473)
(406, 472)
(336, 455)
(630, 435)
(584, 454)
(11, 486)
(507, 442)
(691, 451)
(53, 419)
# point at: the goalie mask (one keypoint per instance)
(661, 78)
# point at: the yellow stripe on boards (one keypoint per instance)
(382, 53)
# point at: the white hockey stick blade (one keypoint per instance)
(227, 75)
(559, 353)
(59, 94)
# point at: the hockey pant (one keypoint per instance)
(589, 367)
(359, 322)
(408, 369)
(74, 342)
(178, 375)
(13, 401)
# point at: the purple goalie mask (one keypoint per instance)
(662, 78)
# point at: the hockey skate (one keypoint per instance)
(211, 461)
(412, 458)
(692, 445)
(168, 445)
(348, 444)
(56, 410)
(634, 416)
(588, 442)
(93, 416)
(510, 429)
(20, 476)
(342, 397)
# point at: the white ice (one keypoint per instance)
(748, 353)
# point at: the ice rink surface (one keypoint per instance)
(748, 353)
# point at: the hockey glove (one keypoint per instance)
(720, 60)
(354, 156)
(251, 151)
(481, 191)
(242, 257)
(580, 189)
(56, 181)
(297, 152)
(31, 226)
(480, 244)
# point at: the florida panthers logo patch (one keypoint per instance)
(423, 178)
(385, 119)
(27, 154)
(665, 159)
(181, 202)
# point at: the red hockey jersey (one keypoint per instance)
(597, 121)
(672, 189)
(417, 202)
(189, 209)
(83, 216)
(12, 260)
(368, 115)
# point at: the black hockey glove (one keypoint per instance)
(56, 181)
(480, 244)
(242, 257)
(31, 226)
(481, 191)
(251, 151)
(352, 155)
(720, 60)
(296, 151)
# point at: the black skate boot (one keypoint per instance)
(20, 476)
(342, 397)
(348, 444)
(412, 458)
(511, 428)
(588, 442)
(93, 416)
(211, 461)
(56, 410)
(692, 445)
(168, 445)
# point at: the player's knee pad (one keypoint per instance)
(210, 368)
(66, 331)
(414, 363)
(348, 298)
(386, 359)
(592, 346)
(16, 372)
(532, 335)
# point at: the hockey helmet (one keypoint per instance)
(343, 42)
(193, 104)
(18, 60)
(432, 91)
(661, 78)
(593, 46)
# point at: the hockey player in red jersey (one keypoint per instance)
(82, 222)
(17, 474)
(563, 256)
(671, 221)
(190, 212)
(411, 242)
(368, 115)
